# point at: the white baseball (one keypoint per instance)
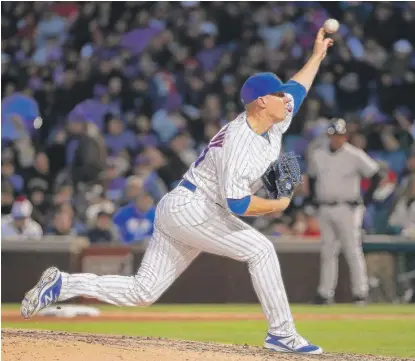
(331, 26)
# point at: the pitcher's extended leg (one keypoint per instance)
(163, 262)
(226, 235)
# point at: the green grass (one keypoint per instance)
(252, 308)
(383, 337)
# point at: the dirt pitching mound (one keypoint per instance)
(28, 345)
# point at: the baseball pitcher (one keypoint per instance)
(335, 173)
(200, 214)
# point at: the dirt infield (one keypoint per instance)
(120, 316)
(27, 345)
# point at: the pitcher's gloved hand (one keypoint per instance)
(282, 176)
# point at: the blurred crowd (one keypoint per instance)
(106, 104)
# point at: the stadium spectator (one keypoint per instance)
(376, 217)
(115, 182)
(39, 176)
(167, 164)
(181, 144)
(403, 217)
(19, 224)
(135, 220)
(7, 197)
(117, 138)
(63, 194)
(8, 174)
(98, 203)
(133, 189)
(61, 224)
(89, 158)
(78, 224)
(152, 183)
(41, 205)
(103, 231)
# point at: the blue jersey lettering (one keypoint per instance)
(216, 142)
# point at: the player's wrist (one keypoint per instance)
(281, 204)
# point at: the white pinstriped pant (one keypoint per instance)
(186, 224)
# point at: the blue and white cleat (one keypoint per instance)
(294, 343)
(45, 293)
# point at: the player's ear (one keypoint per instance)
(261, 101)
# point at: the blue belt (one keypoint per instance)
(189, 185)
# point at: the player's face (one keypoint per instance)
(337, 140)
(278, 106)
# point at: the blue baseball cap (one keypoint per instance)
(259, 85)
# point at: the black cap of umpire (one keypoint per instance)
(338, 126)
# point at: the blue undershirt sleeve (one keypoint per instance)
(297, 91)
(239, 206)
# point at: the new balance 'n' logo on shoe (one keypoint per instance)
(293, 343)
(45, 293)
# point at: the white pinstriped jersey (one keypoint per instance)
(232, 164)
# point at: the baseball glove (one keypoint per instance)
(282, 176)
